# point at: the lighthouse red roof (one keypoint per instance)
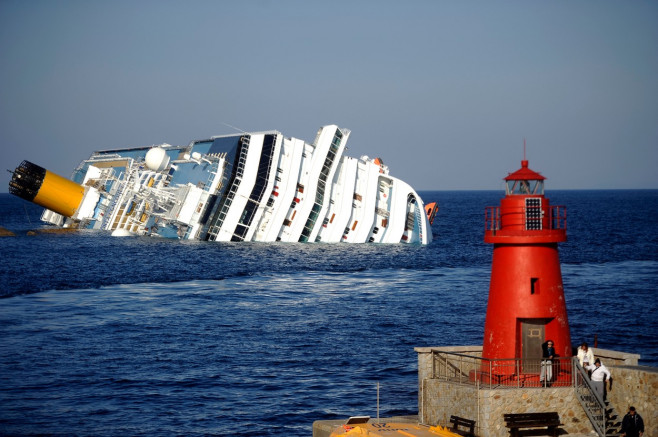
(524, 174)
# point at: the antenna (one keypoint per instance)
(524, 148)
(233, 127)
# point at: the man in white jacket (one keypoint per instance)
(600, 374)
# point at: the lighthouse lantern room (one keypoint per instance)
(526, 306)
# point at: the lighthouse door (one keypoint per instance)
(532, 337)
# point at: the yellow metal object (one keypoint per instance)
(59, 194)
(387, 429)
(443, 431)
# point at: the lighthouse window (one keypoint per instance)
(524, 187)
(534, 285)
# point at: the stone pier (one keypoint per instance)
(438, 399)
(633, 384)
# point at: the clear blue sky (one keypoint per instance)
(443, 91)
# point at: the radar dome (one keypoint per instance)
(156, 159)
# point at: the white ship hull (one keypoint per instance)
(247, 187)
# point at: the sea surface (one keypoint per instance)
(103, 336)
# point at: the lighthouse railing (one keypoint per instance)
(554, 218)
(492, 220)
(508, 373)
(558, 217)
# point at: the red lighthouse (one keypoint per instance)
(526, 297)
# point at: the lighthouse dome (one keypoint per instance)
(524, 181)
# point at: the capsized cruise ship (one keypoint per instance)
(258, 186)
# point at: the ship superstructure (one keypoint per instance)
(244, 187)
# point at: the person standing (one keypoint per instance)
(632, 425)
(600, 374)
(585, 355)
(547, 364)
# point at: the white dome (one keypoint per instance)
(156, 159)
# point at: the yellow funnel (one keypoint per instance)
(47, 189)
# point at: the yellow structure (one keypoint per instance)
(36, 184)
(60, 195)
(388, 429)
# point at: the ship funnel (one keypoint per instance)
(38, 185)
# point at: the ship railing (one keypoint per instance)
(107, 220)
(104, 157)
(214, 168)
(508, 373)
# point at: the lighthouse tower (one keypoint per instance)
(526, 297)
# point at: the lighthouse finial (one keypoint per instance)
(524, 149)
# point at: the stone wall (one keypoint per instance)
(442, 399)
(636, 386)
(487, 406)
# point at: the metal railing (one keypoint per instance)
(556, 220)
(590, 400)
(502, 373)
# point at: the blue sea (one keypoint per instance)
(103, 336)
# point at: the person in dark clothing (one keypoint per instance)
(547, 364)
(632, 425)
